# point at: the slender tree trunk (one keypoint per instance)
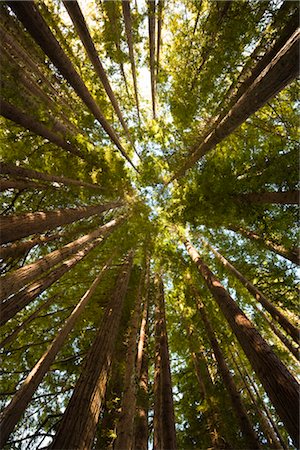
(268, 431)
(78, 430)
(281, 70)
(292, 255)
(126, 420)
(79, 22)
(20, 249)
(281, 198)
(151, 22)
(141, 420)
(160, 7)
(13, 113)
(128, 30)
(22, 172)
(166, 416)
(279, 383)
(235, 397)
(29, 319)
(18, 301)
(17, 226)
(13, 412)
(28, 13)
(157, 391)
(259, 296)
(22, 184)
(12, 282)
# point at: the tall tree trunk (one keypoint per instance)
(18, 301)
(28, 13)
(268, 431)
(79, 22)
(13, 113)
(19, 249)
(128, 30)
(157, 391)
(12, 282)
(160, 7)
(279, 383)
(22, 184)
(166, 416)
(13, 412)
(292, 255)
(17, 226)
(281, 198)
(259, 296)
(235, 397)
(141, 419)
(281, 70)
(126, 420)
(7, 340)
(22, 172)
(151, 22)
(78, 430)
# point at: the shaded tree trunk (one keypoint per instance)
(17, 226)
(78, 430)
(19, 249)
(292, 255)
(13, 113)
(235, 397)
(259, 296)
(281, 198)
(166, 407)
(13, 412)
(12, 282)
(160, 7)
(151, 22)
(128, 30)
(279, 383)
(126, 420)
(29, 15)
(22, 172)
(281, 70)
(22, 184)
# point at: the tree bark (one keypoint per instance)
(281, 70)
(78, 430)
(259, 296)
(79, 22)
(292, 255)
(279, 383)
(280, 198)
(166, 413)
(151, 22)
(17, 226)
(13, 113)
(160, 6)
(128, 30)
(22, 172)
(12, 282)
(28, 13)
(126, 420)
(22, 184)
(13, 412)
(235, 397)
(19, 249)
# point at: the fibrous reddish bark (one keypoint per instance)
(19, 249)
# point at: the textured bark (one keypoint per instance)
(76, 431)
(28, 13)
(235, 397)
(126, 420)
(13, 412)
(166, 408)
(160, 6)
(29, 319)
(157, 418)
(259, 296)
(22, 184)
(18, 301)
(79, 22)
(13, 113)
(292, 255)
(281, 198)
(12, 282)
(151, 22)
(22, 172)
(281, 70)
(279, 383)
(17, 226)
(19, 249)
